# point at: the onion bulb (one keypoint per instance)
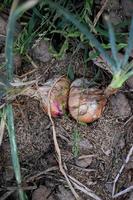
(58, 88)
(58, 96)
(85, 104)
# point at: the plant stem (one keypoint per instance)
(113, 44)
(14, 151)
(9, 110)
(129, 46)
(14, 14)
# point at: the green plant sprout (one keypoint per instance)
(16, 11)
(121, 69)
(75, 140)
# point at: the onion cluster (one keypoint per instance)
(85, 104)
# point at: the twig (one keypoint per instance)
(130, 119)
(6, 195)
(57, 146)
(2, 126)
(11, 190)
(87, 156)
(99, 13)
(19, 83)
(40, 174)
(82, 169)
(118, 176)
(123, 191)
(84, 189)
(32, 62)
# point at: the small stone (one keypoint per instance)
(111, 4)
(40, 51)
(115, 18)
(130, 82)
(64, 194)
(127, 6)
(109, 187)
(120, 105)
(85, 145)
(42, 193)
(84, 162)
(131, 196)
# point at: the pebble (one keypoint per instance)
(42, 193)
(120, 105)
(85, 145)
(41, 51)
(64, 194)
(84, 162)
(130, 82)
(127, 6)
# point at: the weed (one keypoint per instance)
(14, 14)
(120, 68)
(75, 140)
(44, 23)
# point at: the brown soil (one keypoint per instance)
(107, 140)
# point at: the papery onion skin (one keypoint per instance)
(58, 88)
(58, 95)
(85, 104)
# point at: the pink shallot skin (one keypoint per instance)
(58, 96)
(56, 111)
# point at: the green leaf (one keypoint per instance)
(75, 140)
(62, 51)
(70, 73)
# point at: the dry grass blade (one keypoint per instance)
(18, 83)
(6, 195)
(31, 61)
(37, 176)
(2, 127)
(118, 176)
(129, 189)
(78, 185)
(57, 146)
(100, 13)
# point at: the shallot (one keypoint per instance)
(85, 104)
(58, 88)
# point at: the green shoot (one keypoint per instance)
(120, 69)
(75, 141)
(83, 29)
(15, 12)
(113, 44)
(130, 45)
